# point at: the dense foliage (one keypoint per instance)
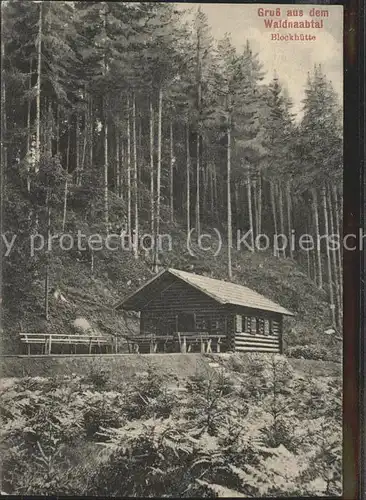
(123, 116)
(253, 427)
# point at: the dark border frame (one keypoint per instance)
(353, 179)
(354, 262)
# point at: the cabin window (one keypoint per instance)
(260, 326)
(201, 325)
(246, 324)
(266, 327)
(238, 323)
(275, 327)
(253, 325)
(213, 325)
(186, 322)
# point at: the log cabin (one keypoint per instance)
(187, 312)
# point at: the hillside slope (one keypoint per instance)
(88, 287)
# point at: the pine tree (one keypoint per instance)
(203, 69)
(277, 140)
(132, 103)
(320, 146)
(249, 132)
(321, 131)
(3, 152)
(229, 89)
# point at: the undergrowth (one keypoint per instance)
(261, 430)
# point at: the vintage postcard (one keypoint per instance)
(171, 249)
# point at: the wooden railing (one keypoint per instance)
(48, 339)
(183, 340)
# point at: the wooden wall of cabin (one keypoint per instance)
(260, 330)
(161, 314)
(255, 330)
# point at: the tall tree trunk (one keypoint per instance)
(152, 192)
(85, 141)
(274, 212)
(314, 264)
(255, 206)
(57, 129)
(158, 180)
(212, 201)
(216, 194)
(77, 149)
(3, 161)
(337, 294)
(118, 167)
(28, 123)
(46, 283)
(237, 211)
(282, 219)
(68, 146)
(106, 201)
(91, 131)
(188, 180)
(260, 203)
(49, 128)
(308, 253)
(66, 189)
(38, 88)
(204, 190)
(140, 135)
(66, 178)
(171, 186)
(121, 171)
(317, 233)
(105, 117)
(135, 190)
(129, 201)
(289, 220)
(250, 211)
(198, 182)
(308, 257)
(228, 186)
(329, 263)
(198, 133)
(339, 232)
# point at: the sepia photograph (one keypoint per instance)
(172, 243)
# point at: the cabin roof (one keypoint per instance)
(223, 292)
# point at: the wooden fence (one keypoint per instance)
(47, 340)
(183, 342)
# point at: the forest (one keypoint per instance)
(260, 426)
(131, 117)
(123, 116)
